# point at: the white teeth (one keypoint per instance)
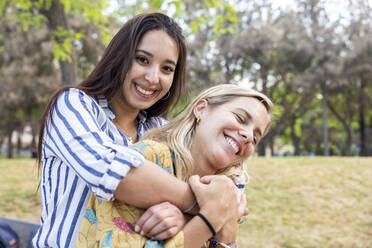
(145, 92)
(233, 144)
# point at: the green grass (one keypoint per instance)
(18, 189)
(309, 202)
(293, 202)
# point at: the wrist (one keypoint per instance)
(229, 232)
(215, 221)
(190, 204)
(213, 242)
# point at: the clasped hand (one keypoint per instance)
(218, 198)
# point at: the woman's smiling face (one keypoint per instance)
(151, 74)
(228, 133)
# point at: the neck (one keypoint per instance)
(201, 165)
(125, 118)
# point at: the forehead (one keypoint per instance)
(158, 41)
(245, 103)
(250, 105)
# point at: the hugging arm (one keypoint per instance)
(149, 185)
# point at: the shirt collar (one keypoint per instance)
(110, 112)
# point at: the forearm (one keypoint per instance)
(229, 232)
(149, 185)
(196, 232)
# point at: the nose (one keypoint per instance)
(152, 75)
(246, 134)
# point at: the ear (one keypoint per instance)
(200, 107)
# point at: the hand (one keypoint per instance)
(229, 231)
(218, 198)
(161, 221)
(242, 209)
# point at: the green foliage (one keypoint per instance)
(28, 19)
(218, 14)
(155, 4)
(62, 43)
(297, 127)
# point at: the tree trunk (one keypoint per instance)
(325, 119)
(262, 147)
(362, 126)
(57, 18)
(272, 149)
(19, 143)
(295, 139)
(10, 145)
(347, 127)
(1, 143)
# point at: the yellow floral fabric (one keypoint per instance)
(111, 224)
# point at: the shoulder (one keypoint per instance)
(151, 147)
(157, 152)
(74, 98)
(73, 95)
(156, 121)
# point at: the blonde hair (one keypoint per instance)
(177, 134)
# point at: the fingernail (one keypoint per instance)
(136, 228)
(142, 233)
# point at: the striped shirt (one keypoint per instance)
(83, 153)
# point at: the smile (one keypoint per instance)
(143, 91)
(233, 144)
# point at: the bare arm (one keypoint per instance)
(149, 184)
(219, 202)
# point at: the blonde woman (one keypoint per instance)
(210, 139)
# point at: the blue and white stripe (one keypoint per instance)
(83, 152)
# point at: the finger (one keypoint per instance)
(142, 220)
(207, 179)
(164, 226)
(150, 223)
(242, 206)
(167, 234)
(194, 179)
(194, 182)
(149, 213)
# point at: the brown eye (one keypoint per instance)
(142, 59)
(168, 69)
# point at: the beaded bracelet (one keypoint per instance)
(216, 243)
(206, 221)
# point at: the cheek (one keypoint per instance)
(249, 151)
(167, 82)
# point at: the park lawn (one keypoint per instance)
(18, 189)
(309, 202)
(293, 202)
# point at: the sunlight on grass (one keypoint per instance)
(18, 189)
(293, 202)
(309, 202)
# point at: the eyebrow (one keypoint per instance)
(249, 116)
(169, 61)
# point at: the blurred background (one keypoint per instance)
(313, 58)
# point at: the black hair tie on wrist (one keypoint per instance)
(206, 221)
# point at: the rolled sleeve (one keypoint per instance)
(122, 161)
(75, 136)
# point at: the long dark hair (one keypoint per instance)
(109, 74)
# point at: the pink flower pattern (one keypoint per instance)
(123, 225)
